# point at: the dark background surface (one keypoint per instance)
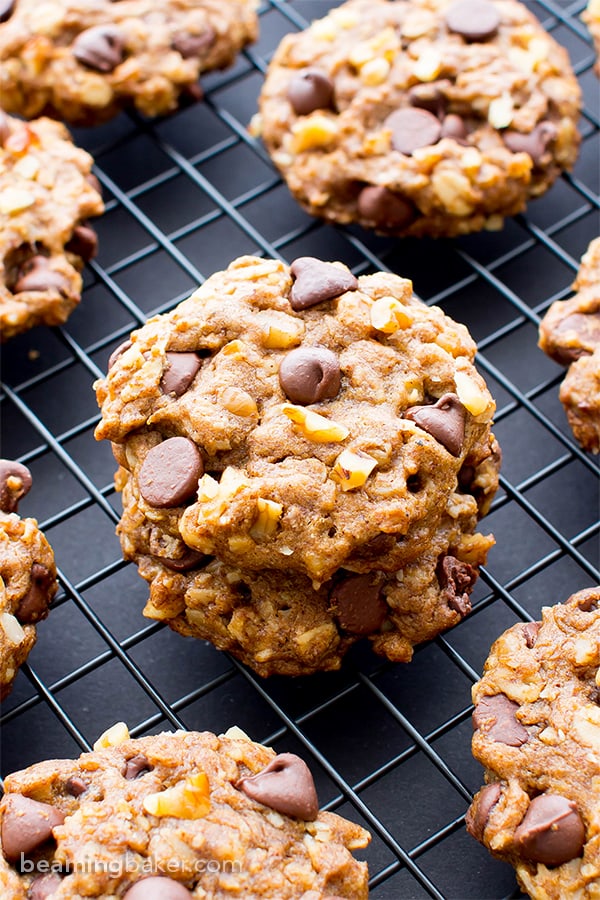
(389, 745)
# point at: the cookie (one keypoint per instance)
(27, 574)
(427, 117)
(47, 194)
(570, 334)
(304, 456)
(175, 816)
(591, 17)
(537, 732)
(83, 62)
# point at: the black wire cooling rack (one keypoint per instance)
(389, 744)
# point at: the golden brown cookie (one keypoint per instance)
(591, 17)
(175, 816)
(304, 456)
(428, 117)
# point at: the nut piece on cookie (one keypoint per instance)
(570, 334)
(175, 816)
(537, 733)
(284, 499)
(47, 195)
(27, 574)
(433, 117)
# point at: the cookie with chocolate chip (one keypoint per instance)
(304, 456)
(537, 732)
(82, 62)
(428, 117)
(175, 816)
(591, 17)
(27, 574)
(47, 195)
(570, 334)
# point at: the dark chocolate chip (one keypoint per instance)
(76, 786)
(36, 275)
(456, 580)
(530, 633)
(552, 831)
(413, 128)
(589, 601)
(383, 208)
(443, 420)
(189, 560)
(26, 824)
(136, 766)
(194, 44)
(316, 281)
(100, 47)
(310, 374)
(180, 371)
(473, 20)
(15, 482)
(453, 126)
(286, 785)
(430, 96)
(43, 886)
(479, 811)
(117, 352)
(33, 606)
(7, 8)
(358, 605)
(157, 887)
(586, 329)
(534, 143)
(170, 472)
(496, 716)
(83, 242)
(4, 127)
(310, 89)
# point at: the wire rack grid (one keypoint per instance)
(389, 745)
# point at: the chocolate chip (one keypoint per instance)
(76, 786)
(180, 371)
(100, 47)
(473, 20)
(316, 281)
(36, 275)
(551, 832)
(117, 352)
(170, 472)
(286, 785)
(358, 605)
(385, 209)
(479, 811)
(15, 482)
(136, 766)
(496, 717)
(534, 143)
(83, 242)
(443, 420)
(453, 126)
(430, 96)
(33, 606)
(194, 44)
(189, 560)
(310, 374)
(413, 128)
(43, 886)
(7, 8)
(157, 887)
(4, 127)
(589, 601)
(310, 89)
(26, 824)
(530, 633)
(456, 580)
(585, 327)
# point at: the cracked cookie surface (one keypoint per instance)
(304, 457)
(422, 118)
(537, 732)
(83, 62)
(47, 195)
(175, 816)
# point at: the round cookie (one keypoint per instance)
(570, 334)
(83, 61)
(27, 574)
(537, 732)
(428, 117)
(47, 194)
(304, 457)
(591, 17)
(175, 816)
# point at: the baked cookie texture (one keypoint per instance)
(427, 117)
(82, 61)
(175, 816)
(537, 732)
(570, 334)
(591, 17)
(303, 457)
(47, 195)
(27, 575)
